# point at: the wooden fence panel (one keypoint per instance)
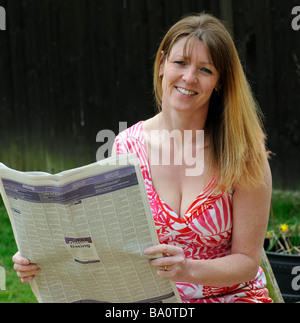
(70, 68)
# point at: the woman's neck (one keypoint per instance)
(173, 120)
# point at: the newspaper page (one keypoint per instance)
(2, 278)
(87, 230)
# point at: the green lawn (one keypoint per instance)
(16, 292)
(286, 209)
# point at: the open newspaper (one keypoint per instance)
(87, 229)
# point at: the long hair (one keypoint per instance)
(234, 121)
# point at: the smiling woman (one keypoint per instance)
(233, 109)
(211, 226)
(188, 80)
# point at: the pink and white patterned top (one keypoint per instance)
(203, 233)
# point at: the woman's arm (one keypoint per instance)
(250, 219)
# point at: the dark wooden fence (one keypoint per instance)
(70, 68)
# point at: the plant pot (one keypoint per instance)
(289, 283)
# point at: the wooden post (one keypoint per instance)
(274, 291)
(227, 14)
(2, 19)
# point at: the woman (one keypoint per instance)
(211, 225)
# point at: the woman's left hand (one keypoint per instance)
(173, 265)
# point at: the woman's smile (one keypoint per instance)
(185, 92)
(189, 77)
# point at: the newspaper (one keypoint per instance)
(87, 230)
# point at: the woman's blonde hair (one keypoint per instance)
(234, 121)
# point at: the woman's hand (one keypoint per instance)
(173, 265)
(25, 270)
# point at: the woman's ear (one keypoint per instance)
(162, 64)
(218, 86)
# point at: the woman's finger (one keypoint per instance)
(27, 279)
(163, 249)
(26, 269)
(18, 259)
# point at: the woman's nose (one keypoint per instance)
(190, 75)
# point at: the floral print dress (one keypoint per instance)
(203, 233)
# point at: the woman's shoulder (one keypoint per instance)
(138, 131)
(130, 141)
(134, 131)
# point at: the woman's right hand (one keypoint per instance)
(25, 270)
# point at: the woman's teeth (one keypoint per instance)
(186, 92)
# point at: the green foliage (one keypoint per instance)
(15, 292)
(286, 208)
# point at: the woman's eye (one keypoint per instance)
(206, 70)
(180, 63)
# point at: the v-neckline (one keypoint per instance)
(185, 216)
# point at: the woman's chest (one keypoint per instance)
(176, 189)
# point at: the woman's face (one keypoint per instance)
(188, 81)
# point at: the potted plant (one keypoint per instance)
(282, 246)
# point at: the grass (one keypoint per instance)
(15, 292)
(286, 209)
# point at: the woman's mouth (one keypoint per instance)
(185, 91)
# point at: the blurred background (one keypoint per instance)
(71, 68)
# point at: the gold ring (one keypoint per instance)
(165, 268)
